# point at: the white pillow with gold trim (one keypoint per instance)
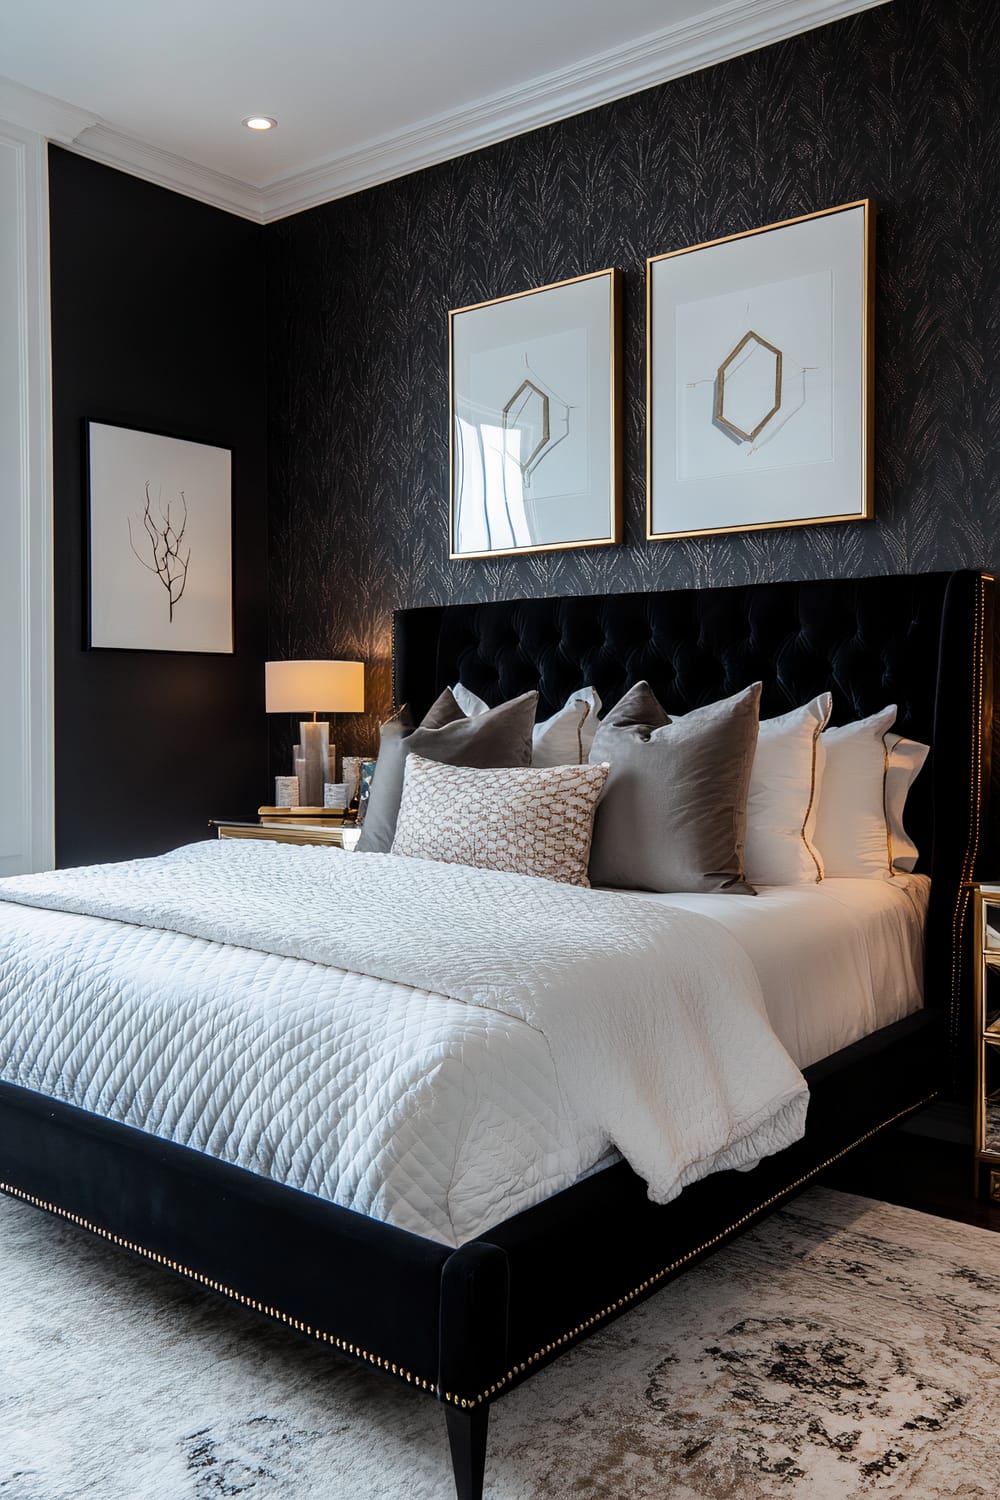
(852, 834)
(781, 805)
(905, 762)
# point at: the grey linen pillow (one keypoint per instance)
(499, 737)
(673, 815)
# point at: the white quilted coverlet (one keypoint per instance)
(428, 1044)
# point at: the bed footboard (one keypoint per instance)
(269, 1247)
(466, 1325)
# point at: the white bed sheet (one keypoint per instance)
(836, 960)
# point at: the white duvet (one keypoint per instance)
(432, 1045)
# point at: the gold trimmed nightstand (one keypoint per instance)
(987, 1140)
(295, 831)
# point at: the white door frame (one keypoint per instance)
(36, 710)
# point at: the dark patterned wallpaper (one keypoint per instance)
(901, 104)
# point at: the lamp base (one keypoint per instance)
(315, 761)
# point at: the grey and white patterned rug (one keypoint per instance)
(844, 1348)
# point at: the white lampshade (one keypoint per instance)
(334, 687)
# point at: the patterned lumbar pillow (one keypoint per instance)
(532, 821)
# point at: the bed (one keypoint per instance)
(466, 1321)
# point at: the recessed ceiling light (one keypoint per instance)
(259, 122)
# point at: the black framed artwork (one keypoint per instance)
(160, 542)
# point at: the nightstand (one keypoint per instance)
(987, 1140)
(297, 831)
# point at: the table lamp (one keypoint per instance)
(336, 687)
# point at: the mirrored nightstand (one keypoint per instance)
(295, 831)
(987, 1139)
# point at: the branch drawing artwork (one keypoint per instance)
(160, 542)
(165, 541)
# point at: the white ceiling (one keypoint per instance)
(361, 94)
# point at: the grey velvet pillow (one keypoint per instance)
(499, 737)
(673, 815)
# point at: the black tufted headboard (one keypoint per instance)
(924, 641)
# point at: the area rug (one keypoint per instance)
(843, 1348)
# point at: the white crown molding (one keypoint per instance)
(89, 135)
(41, 114)
(727, 31)
(723, 33)
(114, 148)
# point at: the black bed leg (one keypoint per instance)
(467, 1436)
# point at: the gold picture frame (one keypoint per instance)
(740, 330)
(535, 420)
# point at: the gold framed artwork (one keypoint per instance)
(536, 419)
(759, 359)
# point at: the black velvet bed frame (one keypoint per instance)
(466, 1326)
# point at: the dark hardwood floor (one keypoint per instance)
(925, 1164)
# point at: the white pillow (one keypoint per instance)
(563, 740)
(851, 831)
(906, 759)
(781, 806)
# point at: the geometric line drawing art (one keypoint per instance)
(514, 414)
(531, 407)
(748, 387)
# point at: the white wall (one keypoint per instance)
(26, 729)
